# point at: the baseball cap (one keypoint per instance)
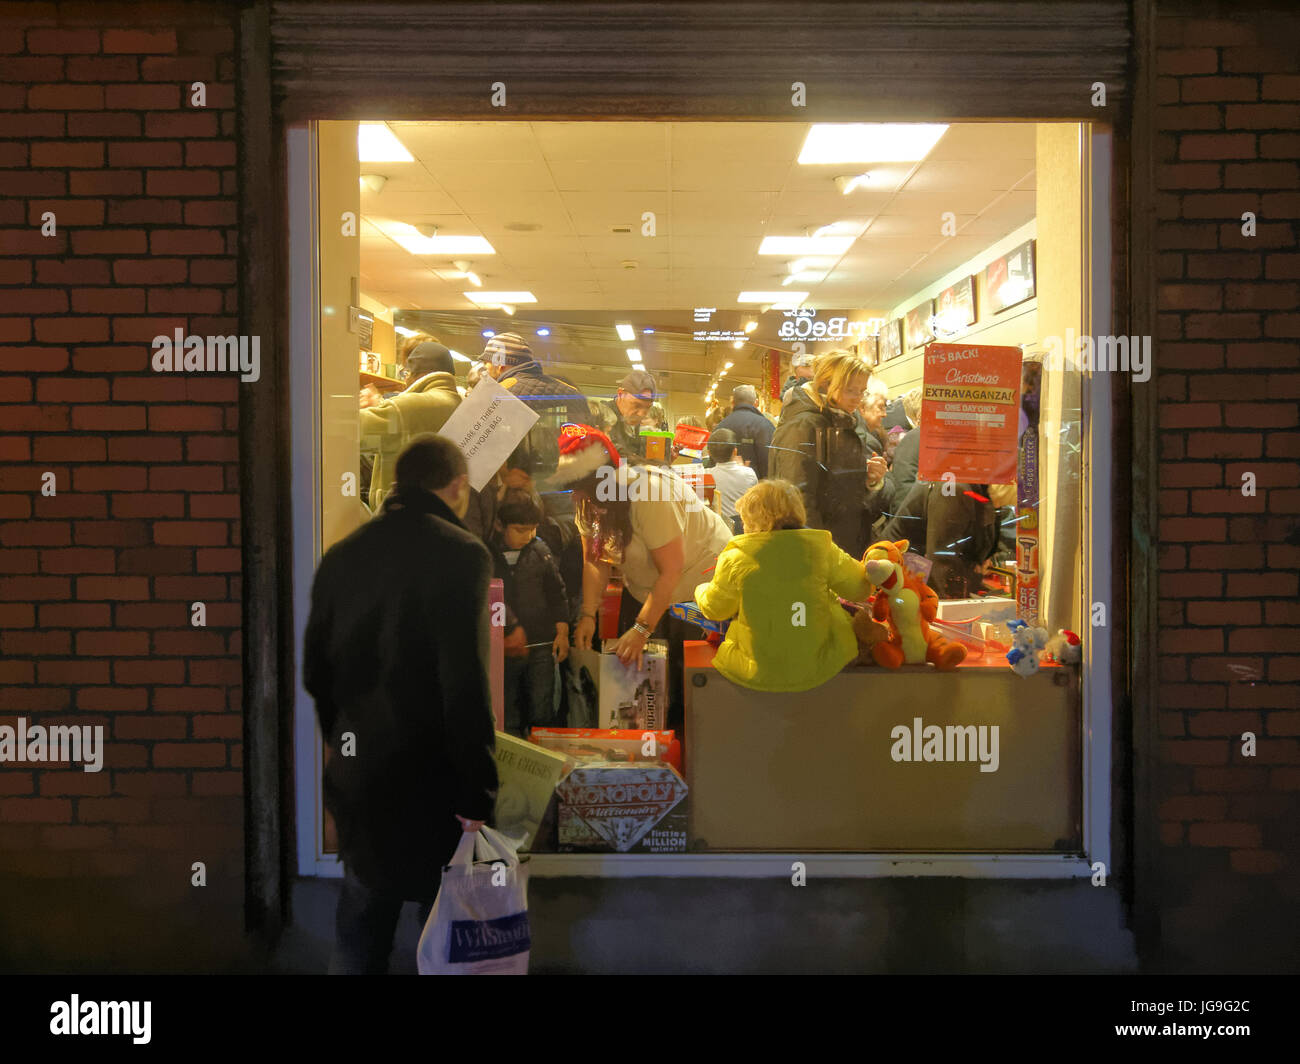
(640, 383)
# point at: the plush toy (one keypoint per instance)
(869, 632)
(902, 611)
(1064, 648)
(1026, 645)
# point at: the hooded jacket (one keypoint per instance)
(819, 451)
(759, 578)
(388, 427)
(396, 652)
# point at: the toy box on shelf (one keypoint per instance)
(605, 745)
(624, 808)
(633, 698)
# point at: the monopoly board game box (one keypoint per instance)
(632, 698)
(622, 807)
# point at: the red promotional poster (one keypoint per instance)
(970, 413)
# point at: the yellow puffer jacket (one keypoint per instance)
(789, 632)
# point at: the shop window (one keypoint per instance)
(717, 255)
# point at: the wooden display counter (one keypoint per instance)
(798, 773)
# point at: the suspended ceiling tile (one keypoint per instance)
(469, 141)
(459, 175)
(602, 141)
(692, 174)
(606, 175)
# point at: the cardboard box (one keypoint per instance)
(615, 807)
(599, 746)
(526, 779)
(632, 698)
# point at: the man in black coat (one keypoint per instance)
(958, 530)
(396, 656)
(752, 429)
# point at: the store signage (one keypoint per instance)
(487, 427)
(709, 336)
(970, 413)
(803, 325)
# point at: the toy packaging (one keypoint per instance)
(587, 746)
(615, 807)
(526, 776)
(632, 698)
(657, 445)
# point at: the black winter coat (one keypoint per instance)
(754, 432)
(956, 532)
(819, 451)
(907, 456)
(396, 652)
(556, 403)
(534, 589)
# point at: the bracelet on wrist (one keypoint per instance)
(637, 626)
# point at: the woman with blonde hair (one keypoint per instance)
(816, 447)
(780, 581)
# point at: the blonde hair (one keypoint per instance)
(832, 373)
(912, 405)
(770, 505)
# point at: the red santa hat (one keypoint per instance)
(583, 450)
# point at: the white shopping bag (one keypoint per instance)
(479, 922)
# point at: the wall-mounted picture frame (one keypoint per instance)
(868, 349)
(917, 325)
(890, 340)
(955, 306)
(1009, 280)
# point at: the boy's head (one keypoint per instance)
(723, 444)
(772, 506)
(519, 515)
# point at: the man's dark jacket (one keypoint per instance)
(956, 532)
(754, 432)
(396, 653)
(556, 403)
(907, 457)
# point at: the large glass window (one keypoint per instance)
(946, 259)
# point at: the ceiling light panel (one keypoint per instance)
(806, 245)
(376, 143)
(869, 143)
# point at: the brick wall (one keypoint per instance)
(1228, 142)
(97, 581)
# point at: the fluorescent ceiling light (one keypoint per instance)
(408, 237)
(771, 297)
(460, 358)
(848, 184)
(625, 332)
(402, 330)
(634, 353)
(497, 298)
(376, 143)
(728, 365)
(750, 326)
(805, 245)
(869, 143)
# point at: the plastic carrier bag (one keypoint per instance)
(479, 922)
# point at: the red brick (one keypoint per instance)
(191, 589)
(77, 153)
(67, 211)
(186, 478)
(112, 699)
(149, 211)
(147, 153)
(143, 448)
(1225, 264)
(110, 242)
(1187, 61)
(35, 810)
(216, 560)
(1280, 87)
(154, 560)
(1190, 296)
(142, 97)
(183, 183)
(1284, 175)
(62, 41)
(108, 300)
(1256, 862)
(72, 390)
(36, 533)
(1219, 89)
(139, 41)
(112, 644)
(1267, 235)
(35, 644)
(66, 97)
(1284, 116)
(189, 699)
(212, 271)
(143, 330)
(72, 672)
(106, 183)
(109, 418)
(34, 183)
(1221, 613)
(91, 588)
(215, 783)
(1279, 146)
(185, 68)
(113, 810)
(188, 300)
(185, 755)
(150, 504)
(1172, 834)
(77, 560)
(149, 726)
(1264, 585)
(148, 672)
(1224, 834)
(184, 124)
(1190, 415)
(1193, 807)
(1198, 146)
(31, 242)
(1193, 641)
(104, 124)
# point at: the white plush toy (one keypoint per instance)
(1065, 647)
(1026, 646)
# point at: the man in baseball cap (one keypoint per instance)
(621, 417)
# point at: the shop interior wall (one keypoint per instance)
(1016, 325)
(340, 265)
(383, 340)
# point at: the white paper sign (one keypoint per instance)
(487, 427)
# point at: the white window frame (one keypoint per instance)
(304, 379)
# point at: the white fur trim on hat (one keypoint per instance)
(580, 464)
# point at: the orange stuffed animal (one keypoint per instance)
(898, 631)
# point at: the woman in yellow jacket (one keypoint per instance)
(779, 581)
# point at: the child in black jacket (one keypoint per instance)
(536, 596)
